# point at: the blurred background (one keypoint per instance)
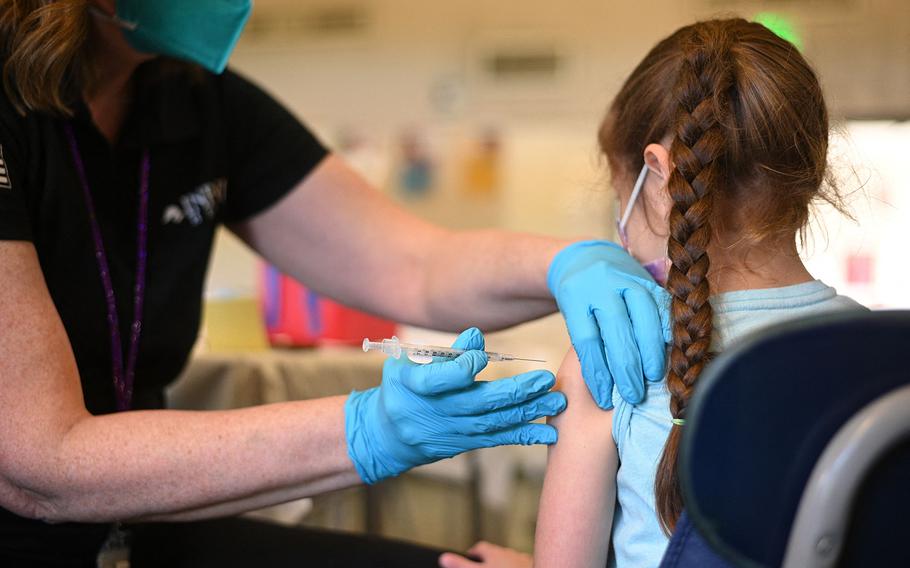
(484, 114)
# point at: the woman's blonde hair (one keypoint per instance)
(44, 50)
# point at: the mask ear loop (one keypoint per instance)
(116, 20)
(639, 183)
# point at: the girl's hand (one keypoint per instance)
(488, 555)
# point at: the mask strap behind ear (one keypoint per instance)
(639, 183)
(116, 20)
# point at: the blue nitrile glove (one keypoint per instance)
(423, 413)
(617, 315)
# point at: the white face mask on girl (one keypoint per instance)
(659, 268)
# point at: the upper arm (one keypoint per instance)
(40, 393)
(268, 151)
(576, 505)
(345, 239)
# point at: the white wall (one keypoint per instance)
(871, 159)
(415, 64)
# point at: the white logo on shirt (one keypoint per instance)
(198, 205)
(5, 182)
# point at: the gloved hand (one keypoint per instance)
(423, 413)
(618, 318)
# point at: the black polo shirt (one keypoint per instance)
(221, 151)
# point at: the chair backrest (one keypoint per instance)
(761, 417)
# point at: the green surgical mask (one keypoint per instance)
(201, 31)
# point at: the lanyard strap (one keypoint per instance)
(123, 377)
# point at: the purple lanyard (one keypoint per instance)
(123, 378)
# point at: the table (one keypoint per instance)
(216, 380)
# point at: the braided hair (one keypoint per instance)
(698, 152)
(749, 132)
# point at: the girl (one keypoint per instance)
(717, 145)
(725, 126)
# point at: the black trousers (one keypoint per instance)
(244, 542)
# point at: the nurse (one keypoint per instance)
(123, 145)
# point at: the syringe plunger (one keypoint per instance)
(390, 347)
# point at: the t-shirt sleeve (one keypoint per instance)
(269, 150)
(14, 220)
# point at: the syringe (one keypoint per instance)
(395, 348)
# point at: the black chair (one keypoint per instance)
(796, 449)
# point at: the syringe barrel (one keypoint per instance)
(446, 352)
(430, 351)
(393, 347)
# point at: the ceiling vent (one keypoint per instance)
(508, 65)
(322, 22)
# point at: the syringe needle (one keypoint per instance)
(532, 360)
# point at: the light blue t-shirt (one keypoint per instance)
(640, 431)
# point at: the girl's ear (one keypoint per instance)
(657, 158)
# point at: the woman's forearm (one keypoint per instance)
(357, 244)
(261, 500)
(59, 463)
(495, 279)
(157, 463)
